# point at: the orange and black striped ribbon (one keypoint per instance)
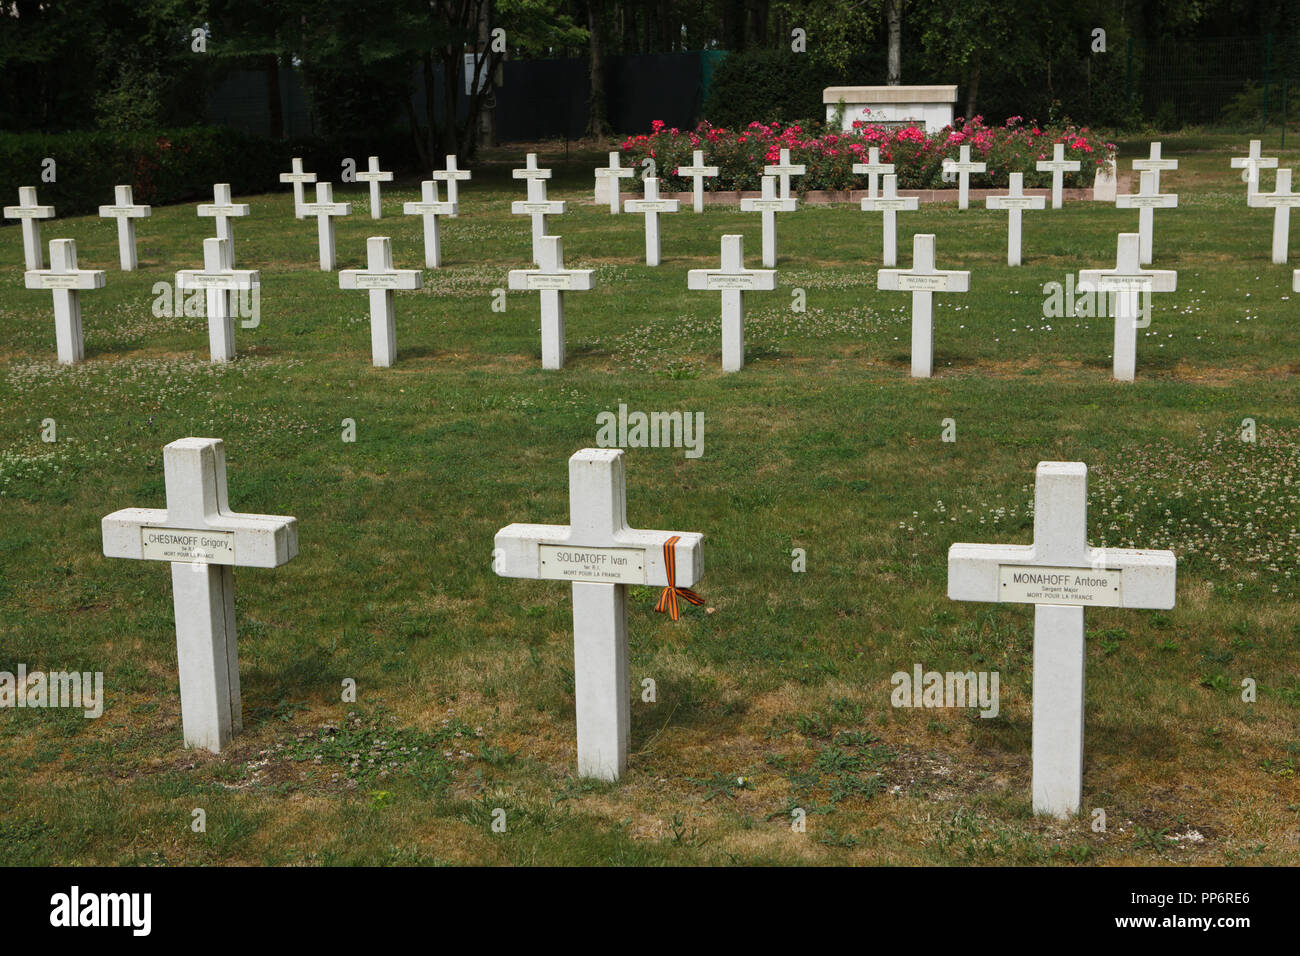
(668, 599)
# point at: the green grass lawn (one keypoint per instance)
(776, 694)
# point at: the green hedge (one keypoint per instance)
(169, 166)
(767, 86)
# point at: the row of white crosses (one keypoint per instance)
(1128, 285)
(600, 556)
(125, 210)
(1280, 200)
(325, 209)
(537, 206)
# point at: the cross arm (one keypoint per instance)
(758, 280)
(551, 207)
(79, 279)
(518, 551)
(1016, 202)
(652, 205)
(780, 205)
(429, 208)
(1147, 577)
(226, 209)
(403, 280)
(29, 212)
(130, 212)
(570, 280)
(1157, 280)
(1163, 201)
(225, 279)
(886, 203)
(905, 280)
(327, 208)
(259, 541)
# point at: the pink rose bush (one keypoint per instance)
(829, 155)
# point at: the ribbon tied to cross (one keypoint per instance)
(668, 599)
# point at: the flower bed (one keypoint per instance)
(829, 155)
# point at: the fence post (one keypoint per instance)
(1268, 62)
(1128, 80)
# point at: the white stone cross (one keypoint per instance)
(1281, 199)
(538, 207)
(1015, 202)
(126, 212)
(381, 280)
(204, 541)
(769, 204)
(785, 169)
(430, 207)
(452, 175)
(873, 169)
(224, 211)
(30, 212)
(1146, 201)
(962, 167)
(374, 175)
(530, 169)
(221, 282)
(600, 555)
(1155, 164)
(66, 281)
(923, 280)
(298, 178)
(609, 177)
(1060, 575)
(1251, 164)
(652, 206)
(889, 204)
(325, 209)
(1130, 287)
(698, 172)
(732, 280)
(552, 280)
(1058, 166)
